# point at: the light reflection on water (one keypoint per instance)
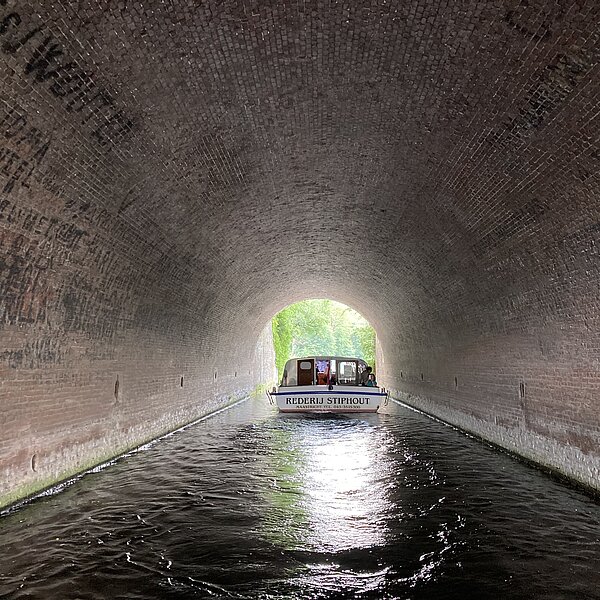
(253, 504)
(338, 481)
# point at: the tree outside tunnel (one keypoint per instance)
(321, 327)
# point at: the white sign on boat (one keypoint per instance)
(328, 384)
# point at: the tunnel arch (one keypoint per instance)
(447, 156)
(377, 350)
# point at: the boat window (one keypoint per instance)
(305, 364)
(346, 372)
(322, 374)
(290, 374)
(361, 369)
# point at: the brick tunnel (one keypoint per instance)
(173, 174)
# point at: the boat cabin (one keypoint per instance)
(325, 384)
(323, 370)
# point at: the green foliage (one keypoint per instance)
(282, 337)
(321, 327)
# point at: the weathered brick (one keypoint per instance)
(172, 174)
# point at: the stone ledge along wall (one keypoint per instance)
(518, 391)
(173, 174)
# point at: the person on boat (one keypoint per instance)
(364, 376)
(332, 381)
(321, 378)
(371, 381)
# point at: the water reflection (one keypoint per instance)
(256, 505)
(329, 501)
(284, 518)
(344, 497)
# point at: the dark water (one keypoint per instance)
(252, 504)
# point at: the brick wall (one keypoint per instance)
(534, 395)
(85, 400)
(171, 175)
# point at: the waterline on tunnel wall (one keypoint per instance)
(584, 477)
(57, 487)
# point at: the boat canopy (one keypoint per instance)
(322, 370)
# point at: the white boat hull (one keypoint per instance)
(318, 399)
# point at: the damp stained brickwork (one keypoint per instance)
(173, 174)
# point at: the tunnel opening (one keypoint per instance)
(321, 326)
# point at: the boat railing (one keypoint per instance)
(270, 397)
(386, 400)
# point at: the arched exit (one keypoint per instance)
(322, 327)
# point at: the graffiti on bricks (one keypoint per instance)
(587, 166)
(95, 215)
(61, 235)
(556, 82)
(12, 358)
(84, 310)
(34, 354)
(45, 61)
(534, 19)
(28, 147)
(26, 293)
(32, 244)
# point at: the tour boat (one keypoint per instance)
(326, 384)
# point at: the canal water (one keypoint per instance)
(253, 504)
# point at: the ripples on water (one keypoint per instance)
(253, 504)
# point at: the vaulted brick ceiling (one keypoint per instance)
(202, 164)
(427, 159)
